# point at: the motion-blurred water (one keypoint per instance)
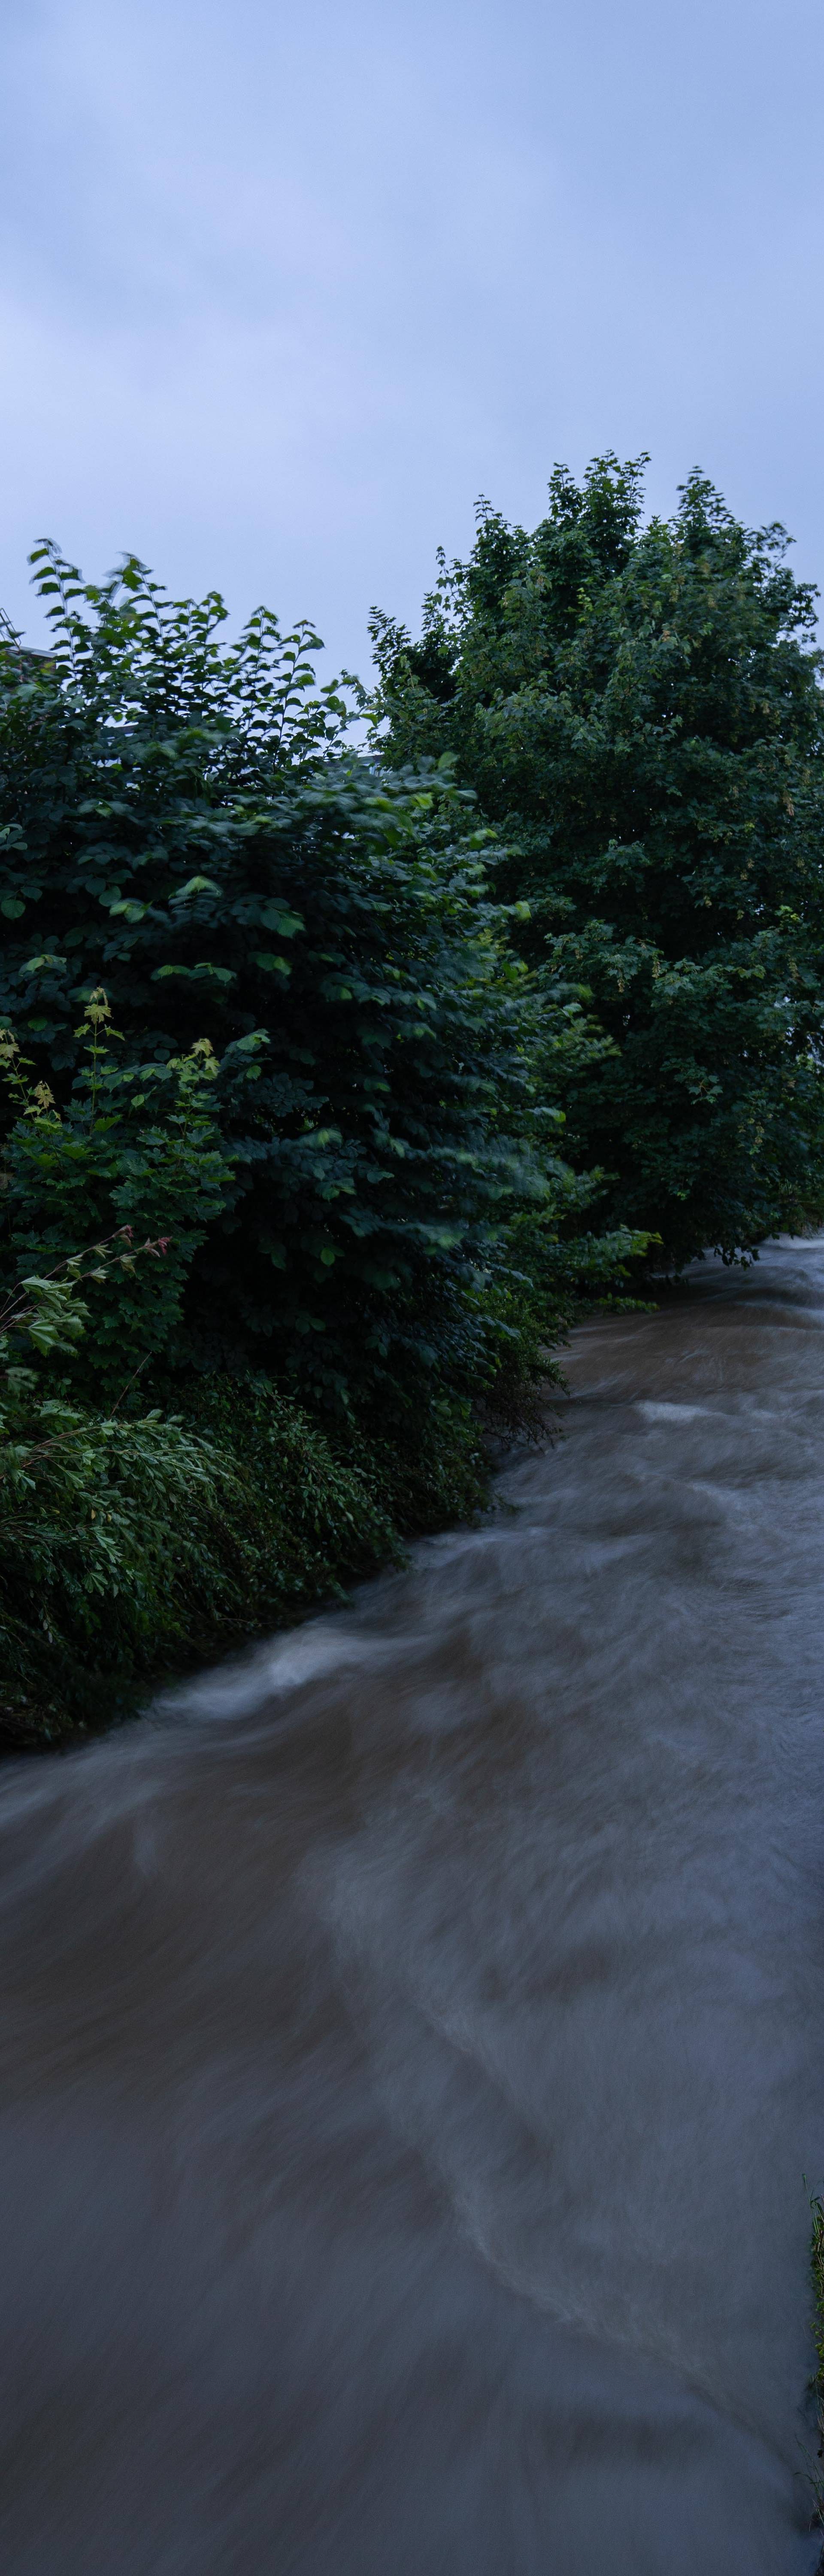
(413, 2039)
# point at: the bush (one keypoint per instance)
(274, 1062)
(184, 825)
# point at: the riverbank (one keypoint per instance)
(134, 1548)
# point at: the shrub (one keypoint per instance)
(274, 1062)
(183, 823)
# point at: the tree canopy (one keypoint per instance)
(638, 706)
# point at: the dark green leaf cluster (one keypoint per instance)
(638, 706)
(133, 1168)
(183, 830)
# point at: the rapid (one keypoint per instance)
(413, 2034)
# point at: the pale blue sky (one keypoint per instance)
(283, 289)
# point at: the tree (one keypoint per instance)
(639, 709)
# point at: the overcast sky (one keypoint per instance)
(285, 288)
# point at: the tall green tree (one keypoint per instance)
(638, 707)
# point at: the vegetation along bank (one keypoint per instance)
(336, 1074)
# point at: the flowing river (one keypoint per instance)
(413, 2038)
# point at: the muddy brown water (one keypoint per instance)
(412, 2038)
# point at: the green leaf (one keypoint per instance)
(275, 917)
(11, 907)
(271, 965)
(203, 972)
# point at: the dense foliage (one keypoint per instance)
(128, 1544)
(327, 1077)
(135, 1152)
(817, 2321)
(184, 832)
(132, 1539)
(639, 709)
(267, 1053)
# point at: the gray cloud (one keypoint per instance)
(281, 291)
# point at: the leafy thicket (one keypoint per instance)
(268, 1054)
(128, 1544)
(184, 831)
(288, 1035)
(133, 1538)
(134, 1152)
(817, 2322)
(639, 709)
